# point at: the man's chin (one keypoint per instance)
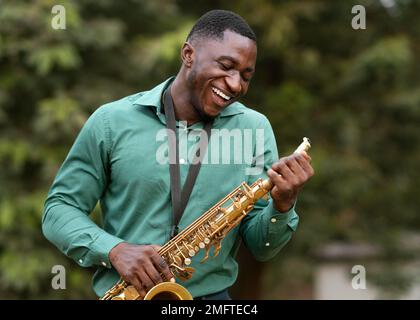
(209, 115)
(213, 112)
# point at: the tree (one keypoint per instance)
(355, 93)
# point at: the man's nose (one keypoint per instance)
(234, 83)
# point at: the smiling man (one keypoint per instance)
(113, 161)
(217, 68)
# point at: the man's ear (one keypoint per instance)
(187, 54)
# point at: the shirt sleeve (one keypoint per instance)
(265, 231)
(78, 186)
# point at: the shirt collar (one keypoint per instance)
(152, 98)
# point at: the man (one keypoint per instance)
(114, 160)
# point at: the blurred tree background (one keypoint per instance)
(355, 93)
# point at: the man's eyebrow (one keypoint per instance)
(234, 61)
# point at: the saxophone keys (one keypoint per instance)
(202, 245)
(187, 261)
(217, 247)
(206, 256)
(186, 273)
(197, 248)
(189, 270)
(177, 260)
(206, 240)
(191, 253)
(130, 293)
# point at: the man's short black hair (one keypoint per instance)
(215, 22)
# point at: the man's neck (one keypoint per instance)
(184, 110)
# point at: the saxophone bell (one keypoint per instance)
(168, 291)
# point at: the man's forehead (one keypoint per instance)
(230, 38)
(229, 35)
(233, 44)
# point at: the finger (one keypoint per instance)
(139, 287)
(153, 274)
(145, 280)
(162, 267)
(295, 167)
(275, 177)
(305, 166)
(278, 163)
(306, 155)
(156, 247)
(282, 168)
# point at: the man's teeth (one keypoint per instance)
(220, 93)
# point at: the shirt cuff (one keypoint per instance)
(277, 219)
(101, 247)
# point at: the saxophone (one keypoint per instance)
(204, 233)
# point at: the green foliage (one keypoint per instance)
(355, 93)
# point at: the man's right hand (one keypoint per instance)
(140, 265)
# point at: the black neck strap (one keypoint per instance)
(180, 198)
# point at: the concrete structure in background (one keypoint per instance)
(334, 279)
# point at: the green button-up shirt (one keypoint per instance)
(117, 160)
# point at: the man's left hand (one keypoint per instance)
(288, 175)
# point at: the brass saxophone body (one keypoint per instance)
(204, 233)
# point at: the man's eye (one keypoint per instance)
(225, 66)
(247, 77)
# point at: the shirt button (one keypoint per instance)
(273, 220)
(267, 244)
(181, 161)
(80, 260)
(103, 263)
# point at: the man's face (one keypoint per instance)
(220, 73)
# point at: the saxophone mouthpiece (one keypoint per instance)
(304, 146)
